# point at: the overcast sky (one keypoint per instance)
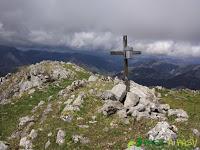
(169, 27)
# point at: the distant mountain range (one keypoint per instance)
(12, 58)
(147, 70)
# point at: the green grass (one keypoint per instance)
(10, 113)
(114, 138)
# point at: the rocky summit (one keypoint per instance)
(57, 105)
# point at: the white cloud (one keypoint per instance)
(93, 40)
(170, 48)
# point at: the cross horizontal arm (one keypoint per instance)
(136, 52)
(117, 52)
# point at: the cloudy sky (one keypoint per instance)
(169, 27)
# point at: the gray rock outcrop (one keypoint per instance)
(162, 131)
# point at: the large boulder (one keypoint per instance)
(119, 91)
(131, 100)
(142, 91)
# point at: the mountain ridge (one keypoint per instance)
(58, 105)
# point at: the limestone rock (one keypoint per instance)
(26, 119)
(47, 144)
(122, 113)
(33, 134)
(3, 146)
(119, 91)
(162, 131)
(181, 114)
(107, 95)
(93, 78)
(110, 107)
(26, 143)
(60, 137)
(142, 91)
(67, 118)
(164, 107)
(79, 100)
(131, 100)
(81, 139)
(196, 132)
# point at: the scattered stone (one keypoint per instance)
(196, 132)
(162, 131)
(50, 98)
(79, 118)
(119, 91)
(46, 111)
(75, 85)
(33, 134)
(110, 107)
(181, 114)
(83, 126)
(31, 91)
(178, 112)
(107, 95)
(81, 139)
(3, 146)
(47, 144)
(25, 120)
(164, 107)
(92, 92)
(60, 137)
(79, 100)
(113, 125)
(181, 119)
(39, 105)
(159, 95)
(131, 100)
(92, 122)
(49, 134)
(26, 129)
(94, 117)
(26, 143)
(93, 78)
(67, 118)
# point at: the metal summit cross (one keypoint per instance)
(128, 53)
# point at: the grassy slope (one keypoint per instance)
(115, 137)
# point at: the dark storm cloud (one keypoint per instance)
(156, 26)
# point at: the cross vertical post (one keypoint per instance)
(126, 64)
(127, 52)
